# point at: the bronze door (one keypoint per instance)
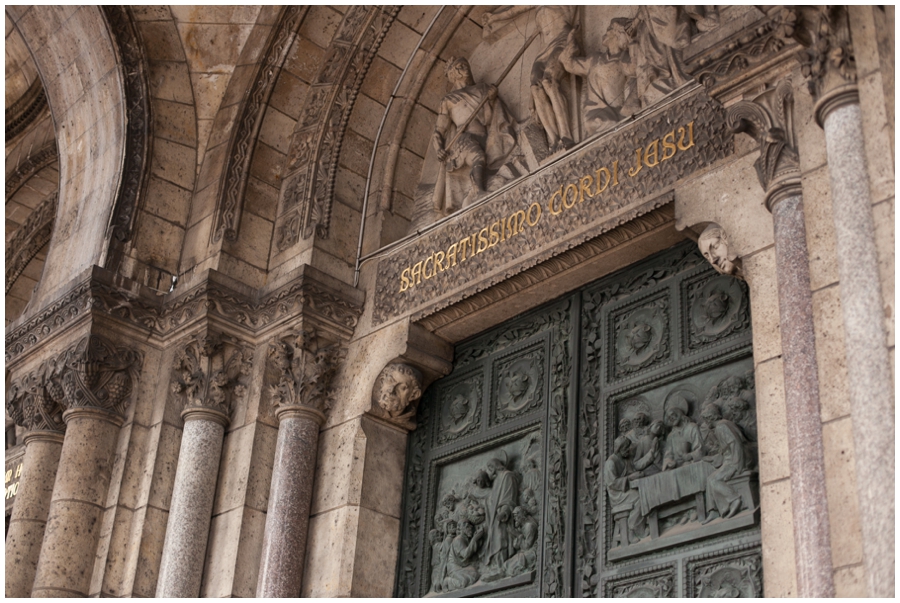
(515, 485)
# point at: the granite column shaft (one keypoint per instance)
(287, 519)
(29, 515)
(812, 539)
(66, 563)
(190, 514)
(868, 362)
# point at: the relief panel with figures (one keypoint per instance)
(603, 445)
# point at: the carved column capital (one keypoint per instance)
(827, 59)
(396, 394)
(302, 366)
(96, 374)
(208, 375)
(769, 119)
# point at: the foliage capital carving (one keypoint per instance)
(303, 366)
(208, 373)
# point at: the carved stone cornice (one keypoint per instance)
(329, 307)
(30, 238)
(243, 140)
(747, 52)
(302, 368)
(32, 164)
(318, 299)
(137, 112)
(443, 313)
(769, 119)
(308, 189)
(25, 110)
(209, 373)
(96, 374)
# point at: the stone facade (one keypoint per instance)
(242, 242)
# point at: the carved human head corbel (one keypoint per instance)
(396, 394)
(713, 244)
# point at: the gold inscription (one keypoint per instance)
(566, 197)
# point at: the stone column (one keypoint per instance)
(209, 401)
(768, 119)
(190, 513)
(29, 515)
(31, 406)
(837, 110)
(287, 519)
(304, 366)
(97, 380)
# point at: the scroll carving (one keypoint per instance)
(98, 374)
(736, 576)
(304, 368)
(396, 394)
(252, 111)
(769, 119)
(308, 188)
(137, 134)
(208, 373)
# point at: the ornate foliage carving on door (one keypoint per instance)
(603, 445)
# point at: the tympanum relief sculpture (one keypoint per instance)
(668, 475)
(486, 528)
(565, 87)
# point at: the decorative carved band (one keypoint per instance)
(25, 110)
(208, 373)
(746, 52)
(436, 317)
(307, 190)
(252, 112)
(30, 238)
(31, 165)
(137, 111)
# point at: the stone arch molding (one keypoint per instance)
(30, 239)
(308, 187)
(89, 122)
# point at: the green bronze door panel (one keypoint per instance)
(513, 487)
(674, 513)
(482, 513)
